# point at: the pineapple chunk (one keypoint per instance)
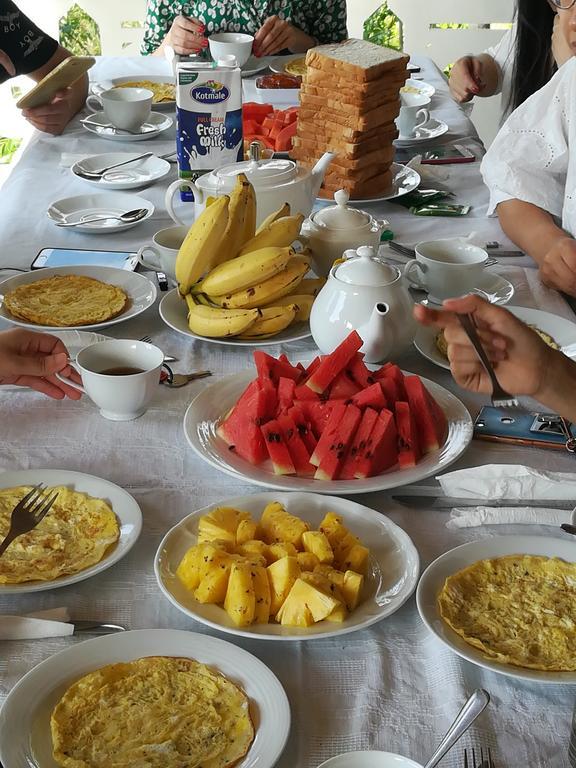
(213, 587)
(187, 570)
(262, 595)
(307, 561)
(252, 547)
(355, 559)
(282, 574)
(246, 531)
(332, 526)
(278, 525)
(352, 589)
(323, 583)
(303, 601)
(317, 543)
(221, 524)
(278, 551)
(240, 602)
(254, 560)
(210, 556)
(336, 577)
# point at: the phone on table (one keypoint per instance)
(455, 153)
(62, 76)
(76, 257)
(542, 430)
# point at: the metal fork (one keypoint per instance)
(500, 398)
(485, 759)
(28, 513)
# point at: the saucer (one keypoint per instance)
(137, 174)
(255, 65)
(430, 130)
(98, 123)
(81, 207)
(491, 286)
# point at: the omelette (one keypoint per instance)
(66, 300)
(75, 534)
(517, 609)
(154, 712)
(162, 91)
(296, 67)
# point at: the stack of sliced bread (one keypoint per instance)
(349, 100)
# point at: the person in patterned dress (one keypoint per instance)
(278, 26)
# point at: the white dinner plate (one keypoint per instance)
(562, 331)
(491, 286)
(105, 85)
(423, 88)
(81, 207)
(25, 738)
(98, 123)
(138, 174)
(430, 130)
(435, 575)
(404, 180)
(124, 506)
(392, 574)
(278, 63)
(210, 405)
(140, 290)
(173, 311)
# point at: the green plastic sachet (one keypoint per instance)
(440, 209)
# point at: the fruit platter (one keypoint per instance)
(332, 425)
(272, 128)
(321, 579)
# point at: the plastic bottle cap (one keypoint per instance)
(386, 235)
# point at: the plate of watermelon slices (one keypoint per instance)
(333, 425)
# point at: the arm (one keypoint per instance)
(474, 76)
(277, 35)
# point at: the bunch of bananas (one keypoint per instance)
(241, 281)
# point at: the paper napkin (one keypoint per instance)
(509, 481)
(469, 517)
(50, 623)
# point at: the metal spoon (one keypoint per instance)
(86, 174)
(126, 218)
(475, 705)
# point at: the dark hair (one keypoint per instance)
(534, 64)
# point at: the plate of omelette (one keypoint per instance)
(155, 697)
(163, 88)
(508, 604)
(74, 298)
(92, 525)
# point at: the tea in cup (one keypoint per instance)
(413, 114)
(125, 108)
(164, 250)
(120, 376)
(447, 268)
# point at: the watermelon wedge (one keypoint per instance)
(390, 391)
(318, 414)
(334, 363)
(327, 434)
(382, 452)
(331, 459)
(285, 393)
(409, 452)
(343, 387)
(271, 369)
(358, 444)
(304, 428)
(241, 428)
(277, 449)
(430, 421)
(371, 397)
(302, 392)
(392, 371)
(313, 365)
(297, 449)
(358, 372)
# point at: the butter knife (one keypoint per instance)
(445, 502)
(96, 628)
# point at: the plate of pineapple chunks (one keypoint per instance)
(287, 566)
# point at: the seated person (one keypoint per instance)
(31, 359)
(523, 363)
(26, 50)
(524, 60)
(530, 170)
(277, 27)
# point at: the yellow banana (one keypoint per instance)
(199, 250)
(214, 322)
(311, 286)
(303, 304)
(279, 214)
(210, 199)
(201, 298)
(268, 291)
(249, 228)
(272, 321)
(279, 233)
(241, 201)
(244, 271)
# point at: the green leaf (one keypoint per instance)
(8, 147)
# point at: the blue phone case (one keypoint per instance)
(521, 427)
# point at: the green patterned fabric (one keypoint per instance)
(325, 21)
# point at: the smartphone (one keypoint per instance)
(542, 430)
(75, 257)
(65, 74)
(454, 153)
(413, 68)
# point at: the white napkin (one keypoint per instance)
(50, 623)
(428, 173)
(469, 517)
(508, 481)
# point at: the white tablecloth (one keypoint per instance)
(392, 687)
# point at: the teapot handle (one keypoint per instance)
(171, 193)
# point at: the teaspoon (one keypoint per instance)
(126, 218)
(475, 705)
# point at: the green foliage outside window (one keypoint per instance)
(7, 149)
(383, 27)
(79, 33)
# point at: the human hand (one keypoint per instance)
(277, 35)
(561, 49)
(32, 359)
(466, 79)
(522, 362)
(186, 36)
(55, 116)
(558, 268)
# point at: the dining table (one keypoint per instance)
(393, 686)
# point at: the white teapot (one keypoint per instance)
(365, 294)
(276, 181)
(331, 231)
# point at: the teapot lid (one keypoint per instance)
(260, 173)
(363, 267)
(340, 216)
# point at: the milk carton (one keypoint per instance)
(209, 117)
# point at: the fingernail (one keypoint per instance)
(204, 43)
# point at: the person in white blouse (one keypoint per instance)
(522, 62)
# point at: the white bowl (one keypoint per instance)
(231, 44)
(369, 759)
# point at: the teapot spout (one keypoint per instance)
(377, 343)
(319, 171)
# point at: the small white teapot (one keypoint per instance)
(365, 294)
(331, 231)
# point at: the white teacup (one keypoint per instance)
(119, 375)
(125, 108)
(447, 268)
(164, 249)
(413, 114)
(234, 44)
